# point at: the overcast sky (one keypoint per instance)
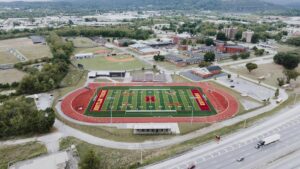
(21, 0)
(274, 1)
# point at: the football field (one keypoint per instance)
(149, 101)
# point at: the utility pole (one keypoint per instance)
(141, 155)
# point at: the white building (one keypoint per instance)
(230, 32)
(84, 55)
(248, 36)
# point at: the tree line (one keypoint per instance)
(290, 61)
(294, 41)
(19, 116)
(117, 31)
(52, 72)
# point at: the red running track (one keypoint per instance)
(74, 105)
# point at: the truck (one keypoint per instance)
(268, 140)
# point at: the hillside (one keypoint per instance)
(223, 5)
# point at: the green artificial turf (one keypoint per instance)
(130, 101)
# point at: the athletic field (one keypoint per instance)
(149, 101)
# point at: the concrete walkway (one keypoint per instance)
(51, 141)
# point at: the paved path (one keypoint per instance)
(51, 141)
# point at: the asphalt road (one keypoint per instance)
(225, 154)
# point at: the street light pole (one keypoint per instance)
(193, 99)
(111, 114)
(111, 107)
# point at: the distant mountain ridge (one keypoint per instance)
(220, 5)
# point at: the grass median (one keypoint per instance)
(15, 153)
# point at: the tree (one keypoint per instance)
(19, 117)
(251, 66)
(289, 60)
(234, 57)
(259, 52)
(238, 35)
(290, 74)
(209, 42)
(159, 57)
(294, 41)
(244, 55)
(184, 42)
(154, 67)
(209, 57)
(221, 36)
(255, 38)
(204, 64)
(90, 161)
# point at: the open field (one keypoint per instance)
(83, 42)
(11, 75)
(6, 57)
(149, 101)
(179, 79)
(10, 154)
(270, 71)
(26, 47)
(173, 67)
(285, 48)
(102, 63)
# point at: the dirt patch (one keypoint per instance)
(125, 59)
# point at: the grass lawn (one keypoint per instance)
(73, 80)
(186, 128)
(26, 47)
(83, 42)
(271, 71)
(6, 57)
(110, 158)
(179, 79)
(100, 63)
(285, 48)
(11, 154)
(102, 80)
(11, 75)
(173, 67)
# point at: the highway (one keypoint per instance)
(223, 155)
